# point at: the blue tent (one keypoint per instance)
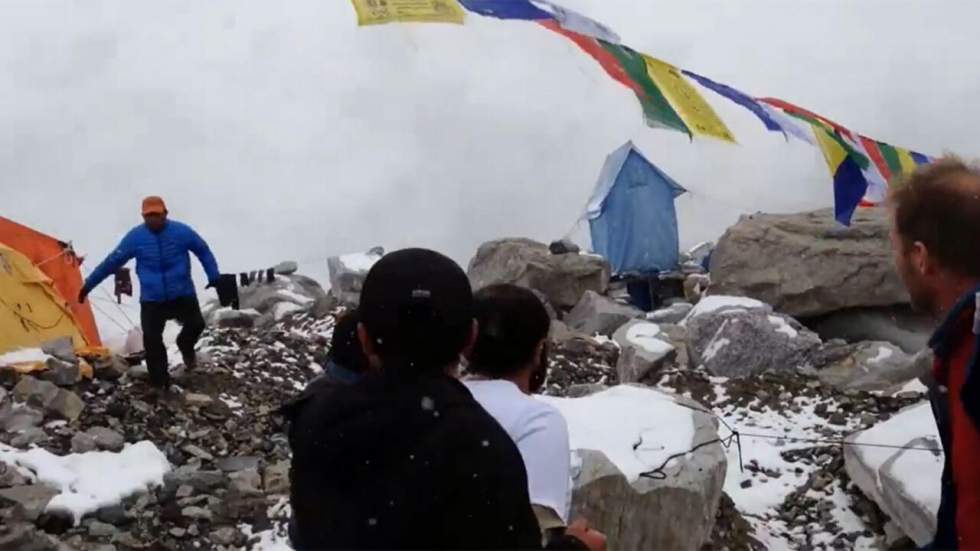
(632, 216)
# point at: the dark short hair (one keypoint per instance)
(417, 307)
(512, 322)
(939, 206)
(345, 348)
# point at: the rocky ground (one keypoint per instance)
(785, 487)
(579, 366)
(208, 469)
(221, 434)
(731, 530)
(788, 481)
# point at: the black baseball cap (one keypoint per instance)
(417, 307)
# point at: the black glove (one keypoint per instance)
(82, 294)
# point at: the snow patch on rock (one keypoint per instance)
(904, 482)
(783, 327)
(883, 354)
(715, 303)
(615, 420)
(644, 335)
(24, 356)
(93, 480)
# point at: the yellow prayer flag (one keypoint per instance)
(377, 12)
(832, 151)
(696, 113)
(905, 158)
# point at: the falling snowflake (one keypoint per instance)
(428, 403)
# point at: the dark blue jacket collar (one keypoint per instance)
(341, 374)
(945, 337)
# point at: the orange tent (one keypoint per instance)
(56, 260)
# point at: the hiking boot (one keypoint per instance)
(155, 393)
(167, 396)
(190, 360)
(180, 373)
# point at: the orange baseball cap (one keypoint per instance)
(154, 205)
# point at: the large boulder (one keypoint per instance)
(905, 483)
(660, 493)
(263, 297)
(807, 264)
(675, 313)
(347, 274)
(563, 278)
(263, 303)
(898, 325)
(869, 366)
(597, 314)
(732, 340)
(644, 349)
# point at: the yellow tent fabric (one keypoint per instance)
(31, 311)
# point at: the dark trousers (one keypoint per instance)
(154, 317)
(643, 293)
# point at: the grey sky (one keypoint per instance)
(282, 130)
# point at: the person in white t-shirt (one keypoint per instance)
(507, 364)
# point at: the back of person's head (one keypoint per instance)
(513, 321)
(417, 309)
(345, 348)
(938, 205)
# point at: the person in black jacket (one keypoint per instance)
(406, 458)
(345, 363)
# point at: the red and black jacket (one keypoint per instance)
(955, 397)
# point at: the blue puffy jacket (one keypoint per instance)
(163, 264)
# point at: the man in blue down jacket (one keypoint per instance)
(160, 247)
